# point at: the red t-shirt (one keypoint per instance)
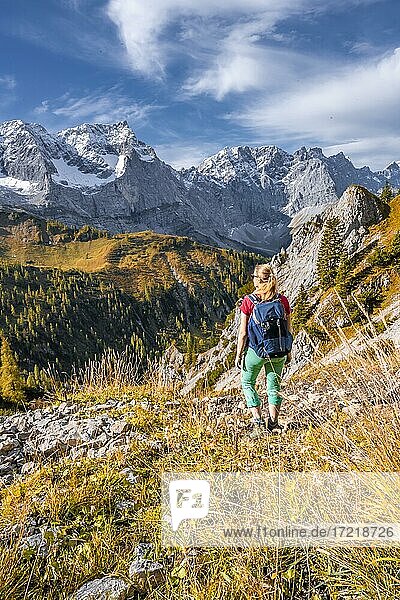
(247, 305)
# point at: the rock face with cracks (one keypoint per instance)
(31, 438)
(102, 175)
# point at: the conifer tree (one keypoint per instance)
(386, 193)
(342, 275)
(11, 382)
(31, 381)
(302, 310)
(329, 253)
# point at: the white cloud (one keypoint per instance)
(229, 55)
(236, 73)
(239, 68)
(101, 106)
(374, 152)
(346, 109)
(180, 155)
(362, 48)
(7, 82)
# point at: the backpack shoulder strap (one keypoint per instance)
(253, 298)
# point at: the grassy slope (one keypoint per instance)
(133, 261)
(84, 256)
(391, 225)
(96, 538)
(386, 232)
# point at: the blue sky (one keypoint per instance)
(193, 76)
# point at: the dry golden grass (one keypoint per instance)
(80, 498)
(84, 256)
(135, 262)
(391, 225)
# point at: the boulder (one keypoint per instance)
(105, 588)
(144, 572)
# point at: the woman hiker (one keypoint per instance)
(264, 340)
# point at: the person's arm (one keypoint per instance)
(242, 339)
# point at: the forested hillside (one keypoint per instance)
(66, 295)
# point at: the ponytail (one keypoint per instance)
(266, 284)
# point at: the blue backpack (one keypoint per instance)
(267, 328)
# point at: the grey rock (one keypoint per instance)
(28, 467)
(9, 429)
(120, 427)
(302, 353)
(8, 443)
(46, 434)
(145, 572)
(6, 468)
(6, 480)
(37, 543)
(125, 505)
(13, 454)
(130, 475)
(105, 588)
(101, 440)
(73, 437)
(51, 447)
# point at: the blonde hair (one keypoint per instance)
(266, 284)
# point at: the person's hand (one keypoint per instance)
(238, 361)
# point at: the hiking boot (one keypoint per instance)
(259, 429)
(274, 425)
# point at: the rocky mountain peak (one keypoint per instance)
(392, 172)
(26, 150)
(308, 153)
(247, 164)
(357, 209)
(96, 140)
(103, 175)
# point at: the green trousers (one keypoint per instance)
(251, 367)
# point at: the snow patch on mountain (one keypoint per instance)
(25, 188)
(103, 144)
(70, 176)
(120, 165)
(242, 197)
(111, 160)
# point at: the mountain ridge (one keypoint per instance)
(102, 175)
